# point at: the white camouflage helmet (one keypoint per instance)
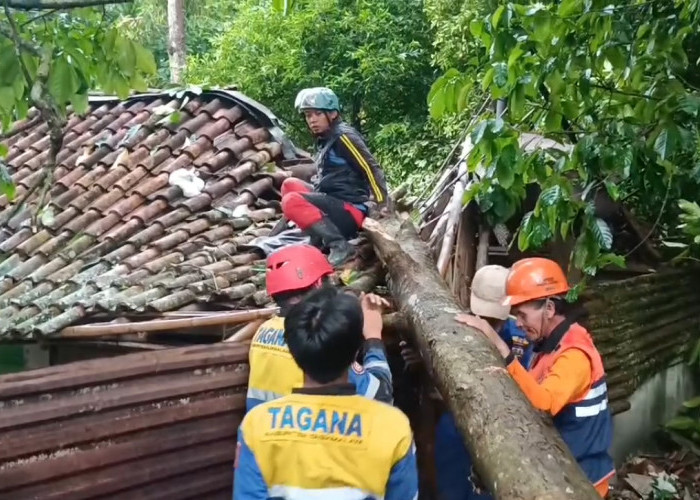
(321, 98)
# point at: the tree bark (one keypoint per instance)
(177, 50)
(518, 454)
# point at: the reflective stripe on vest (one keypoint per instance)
(585, 423)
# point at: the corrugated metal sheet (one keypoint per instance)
(147, 425)
(642, 326)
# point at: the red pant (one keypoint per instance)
(304, 207)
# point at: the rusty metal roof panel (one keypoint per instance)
(159, 424)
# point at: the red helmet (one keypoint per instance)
(295, 268)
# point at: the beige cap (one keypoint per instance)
(489, 292)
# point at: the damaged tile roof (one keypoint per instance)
(116, 235)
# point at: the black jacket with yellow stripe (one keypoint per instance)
(346, 168)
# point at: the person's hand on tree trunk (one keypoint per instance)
(484, 327)
(372, 308)
(411, 357)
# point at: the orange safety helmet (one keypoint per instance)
(534, 278)
(295, 267)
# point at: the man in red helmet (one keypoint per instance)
(292, 273)
(566, 377)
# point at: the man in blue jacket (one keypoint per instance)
(332, 210)
(323, 440)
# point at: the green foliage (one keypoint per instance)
(82, 53)
(694, 359)
(412, 152)
(608, 81)
(687, 423)
(690, 219)
(455, 47)
(147, 22)
(52, 61)
(375, 54)
(664, 486)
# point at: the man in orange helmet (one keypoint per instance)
(566, 377)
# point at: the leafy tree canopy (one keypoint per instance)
(375, 54)
(52, 59)
(613, 80)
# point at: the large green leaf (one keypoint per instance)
(602, 233)
(524, 232)
(7, 100)
(126, 55)
(500, 74)
(682, 423)
(692, 403)
(666, 142)
(479, 132)
(552, 121)
(569, 7)
(80, 103)
(9, 65)
(63, 82)
(516, 105)
(144, 59)
(551, 196)
(505, 166)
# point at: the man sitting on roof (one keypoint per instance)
(324, 441)
(292, 273)
(333, 210)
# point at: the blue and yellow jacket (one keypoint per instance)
(346, 168)
(274, 373)
(325, 443)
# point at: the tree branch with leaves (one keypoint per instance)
(51, 63)
(600, 78)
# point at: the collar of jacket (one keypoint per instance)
(328, 390)
(331, 133)
(551, 343)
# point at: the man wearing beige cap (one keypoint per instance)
(487, 296)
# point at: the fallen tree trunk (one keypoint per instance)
(518, 454)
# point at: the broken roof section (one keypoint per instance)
(117, 235)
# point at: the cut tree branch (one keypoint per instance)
(41, 98)
(59, 4)
(516, 452)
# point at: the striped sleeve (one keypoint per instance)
(373, 379)
(403, 480)
(248, 483)
(356, 152)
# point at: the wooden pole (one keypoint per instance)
(227, 318)
(518, 454)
